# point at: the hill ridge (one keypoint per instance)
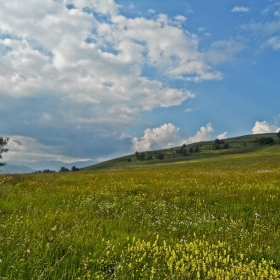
(194, 151)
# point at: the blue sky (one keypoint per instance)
(92, 80)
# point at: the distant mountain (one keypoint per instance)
(55, 165)
(15, 169)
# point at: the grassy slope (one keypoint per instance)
(64, 225)
(237, 145)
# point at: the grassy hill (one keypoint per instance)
(208, 149)
(214, 214)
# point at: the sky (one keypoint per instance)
(97, 79)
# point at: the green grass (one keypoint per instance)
(211, 217)
(237, 145)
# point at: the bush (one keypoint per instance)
(266, 140)
(218, 141)
(160, 155)
(226, 146)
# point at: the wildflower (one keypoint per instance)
(257, 215)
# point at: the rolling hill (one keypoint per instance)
(247, 144)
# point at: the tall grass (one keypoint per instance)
(212, 219)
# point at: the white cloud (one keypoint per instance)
(181, 18)
(222, 51)
(238, 9)
(222, 136)
(167, 136)
(264, 127)
(274, 42)
(27, 149)
(53, 49)
(204, 134)
(164, 136)
(267, 30)
(86, 60)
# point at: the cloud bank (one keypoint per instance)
(167, 136)
(79, 66)
(264, 127)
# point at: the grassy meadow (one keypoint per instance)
(208, 218)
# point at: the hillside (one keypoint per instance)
(248, 144)
(216, 217)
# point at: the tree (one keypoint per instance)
(278, 135)
(266, 140)
(196, 149)
(218, 141)
(3, 143)
(74, 168)
(160, 155)
(226, 146)
(149, 157)
(63, 169)
(142, 156)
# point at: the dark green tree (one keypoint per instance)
(142, 156)
(160, 155)
(74, 168)
(196, 149)
(3, 142)
(63, 169)
(226, 146)
(278, 135)
(266, 140)
(149, 157)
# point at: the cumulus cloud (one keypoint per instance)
(239, 9)
(264, 127)
(167, 136)
(53, 48)
(222, 136)
(204, 134)
(164, 136)
(78, 64)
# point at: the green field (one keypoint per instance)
(237, 145)
(207, 217)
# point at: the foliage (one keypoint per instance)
(266, 140)
(45, 171)
(201, 150)
(74, 168)
(218, 141)
(226, 146)
(149, 157)
(183, 150)
(63, 169)
(160, 155)
(217, 218)
(3, 142)
(197, 259)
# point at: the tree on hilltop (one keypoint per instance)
(3, 143)
(278, 135)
